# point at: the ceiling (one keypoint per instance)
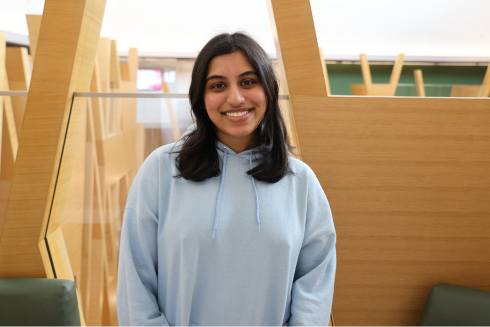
(449, 30)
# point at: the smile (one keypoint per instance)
(237, 113)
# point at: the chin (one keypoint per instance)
(240, 132)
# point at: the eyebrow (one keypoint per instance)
(250, 72)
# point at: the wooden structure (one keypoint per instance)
(481, 91)
(69, 187)
(407, 180)
(378, 89)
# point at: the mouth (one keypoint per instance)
(237, 113)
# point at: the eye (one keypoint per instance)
(218, 86)
(248, 82)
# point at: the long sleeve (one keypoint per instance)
(312, 290)
(137, 279)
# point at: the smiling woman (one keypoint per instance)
(224, 227)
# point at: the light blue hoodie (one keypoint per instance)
(230, 250)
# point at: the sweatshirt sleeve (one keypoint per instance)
(313, 285)
(137, 276)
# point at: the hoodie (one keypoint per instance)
(230, 250)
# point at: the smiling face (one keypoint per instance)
(235, 100)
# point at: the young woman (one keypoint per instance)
(224, 227)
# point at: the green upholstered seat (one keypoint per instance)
(453, 305)
(38, 301)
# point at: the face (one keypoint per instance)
(235, 100)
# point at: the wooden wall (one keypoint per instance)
(407, 180)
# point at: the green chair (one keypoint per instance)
(38, 302)
(453, 305)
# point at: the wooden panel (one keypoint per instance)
(33, 26)
(408, 183)
(65, 57)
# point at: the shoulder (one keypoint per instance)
(161, 162)
(299, 168)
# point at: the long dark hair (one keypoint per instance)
(198, 158)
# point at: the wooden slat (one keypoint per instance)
(366, 72)
(19, 76)
(485, 89)
(419, 82)
(171, 113)
(325, 73)
(65, 58)
(33, 26)
(397, 70)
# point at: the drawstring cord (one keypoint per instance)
(256, 194)
(220, 192)
(218, 201)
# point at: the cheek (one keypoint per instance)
(212, 102)
(259, 99)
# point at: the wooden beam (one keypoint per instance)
(397, 70)
(297, 47)
(325, 72)
(33, 26)
(419, 82)
(366, 72)
(485, 88)
(65, 58)
(19, 76)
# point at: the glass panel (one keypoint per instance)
(108, 151)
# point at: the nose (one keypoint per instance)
(235, 97)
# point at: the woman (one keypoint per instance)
(224, 227)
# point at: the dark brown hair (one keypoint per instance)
(198, 158)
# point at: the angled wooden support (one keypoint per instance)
(65, 58)
(419, 82)
(171, 114)
(378, 89)
(297, 54)
(33, 26)
(325, 72)
(19, 77)
(480, 91)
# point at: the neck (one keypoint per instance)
(237, 144)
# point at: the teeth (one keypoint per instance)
(237, 114)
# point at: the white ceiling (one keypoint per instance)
(345, 28)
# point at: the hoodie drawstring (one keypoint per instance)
(218, 201)
(256, 194)
(220, 192)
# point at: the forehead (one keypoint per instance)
(229, 65)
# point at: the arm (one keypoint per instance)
(137, 286)
(312, 290)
